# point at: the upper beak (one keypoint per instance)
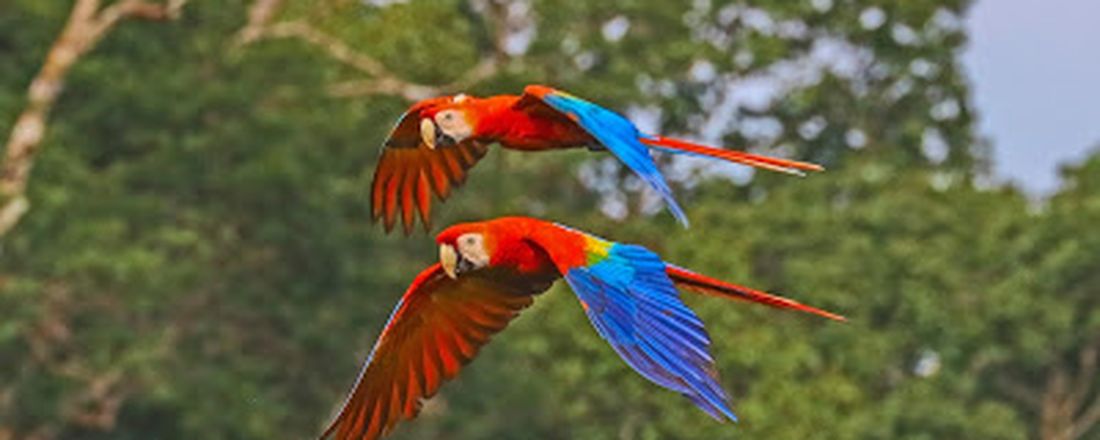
(433, 136)
(448, 258)
(428, 132)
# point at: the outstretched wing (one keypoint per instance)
(611, 129)
(409, 171)
(438, 326)
(634, 306)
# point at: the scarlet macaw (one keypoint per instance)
(437, 140)
(489, 271)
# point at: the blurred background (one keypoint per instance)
(186, 251)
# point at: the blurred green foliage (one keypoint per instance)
(198, 261)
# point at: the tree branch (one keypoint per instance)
(139, 9)
(382, 80)
(260, 15)
(1089, 414)
(1088, 419)
(1064, 412)
(392, 86)
(86, 26)
(332, 46)
(1086, 372)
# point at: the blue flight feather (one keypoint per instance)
(633, 304)
(620, 137)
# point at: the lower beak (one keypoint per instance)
(441, 138)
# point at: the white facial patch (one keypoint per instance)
(452, 123)
(472, 248)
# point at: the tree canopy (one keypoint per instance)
(196, 258)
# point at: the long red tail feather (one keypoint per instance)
(741, 157)
(709, 286)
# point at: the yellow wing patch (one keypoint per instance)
(596, 249)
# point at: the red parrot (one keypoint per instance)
(437, 140)
(489, 271)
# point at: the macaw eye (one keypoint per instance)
(452, 123)
(469, 242)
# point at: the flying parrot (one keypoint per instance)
(489, 271)
(437, 140)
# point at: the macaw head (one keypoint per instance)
(465, 247)
(447, 120)
(502, 243)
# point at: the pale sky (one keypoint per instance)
(1035, 71)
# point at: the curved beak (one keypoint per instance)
(448, 258)
(433, 136)
(428, 131)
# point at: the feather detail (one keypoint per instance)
(709, 286)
